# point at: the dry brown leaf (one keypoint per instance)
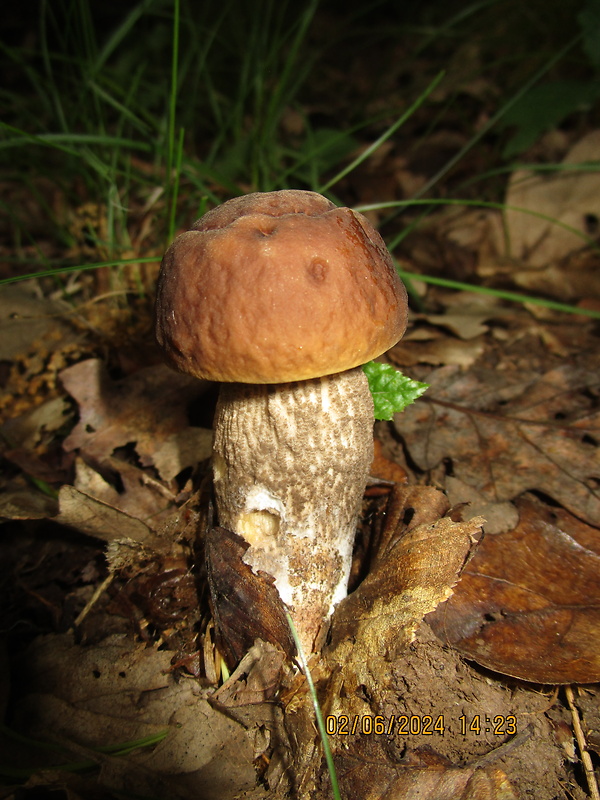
(141, 496)
(26, 319)
(95, 507)
(148, 407)
(386, 469)
(202, 740)
(504, 433)
(181, 450)
(89, 515)
(466, 323)
(446, 350)
(429, 683)
(255, 679)
(246, 605)
(25, 503)
(95, 695)
(119, 691)
(569, 196)
(499, 517)
(27, 431)
(456, 783)
(414, 570)
(528, 603)
(369, 775)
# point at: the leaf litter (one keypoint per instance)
(505, 442)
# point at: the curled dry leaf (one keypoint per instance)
(96, 518)
(255, 680)
(464, 319)
(148, 409)
(528, 603)
(246, 605)
(25, 503)
(414, 569)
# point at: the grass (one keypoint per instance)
(8, 771)
(167, 109)
(317, 709)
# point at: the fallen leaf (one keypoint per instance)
(183, 449)
(506, 432)
(414, 570)
(201, 741)
(27, 431)
(95, 695)
(528, 603)
(437, 351)
(147, 408)
(466, 320)
(256, 678)
(384, 468)
(89, 515)
(26, 319)
(571, 197)
(26, 503)
(499, 517)
(365, 773)
(119, 691)
(141, 496)
(246, 605)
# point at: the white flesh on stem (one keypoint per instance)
(291, 463)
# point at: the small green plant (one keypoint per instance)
(392, 391)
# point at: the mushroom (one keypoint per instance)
(282, 296)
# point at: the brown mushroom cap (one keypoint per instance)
(278, 287)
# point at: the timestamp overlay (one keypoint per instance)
(406, 725)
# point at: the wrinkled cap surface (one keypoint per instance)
(276, 287)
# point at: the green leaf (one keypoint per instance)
(543, 108)
(392, 391)
(589, 22)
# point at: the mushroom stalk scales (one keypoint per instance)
(291, 463)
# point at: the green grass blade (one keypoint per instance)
(175, 187)
(315, 701)
(47, 61)
(48, 273)
(119, 35)
(60, 140)
(386, 135)
(496, 117)
(587, 240)
(513, 297)
(173, 92)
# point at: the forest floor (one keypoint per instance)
(465, 661)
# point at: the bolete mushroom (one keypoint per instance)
(282, 296)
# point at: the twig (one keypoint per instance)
(504, 749)
(92, 601)
(581, 743)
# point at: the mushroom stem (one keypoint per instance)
(291, 463)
